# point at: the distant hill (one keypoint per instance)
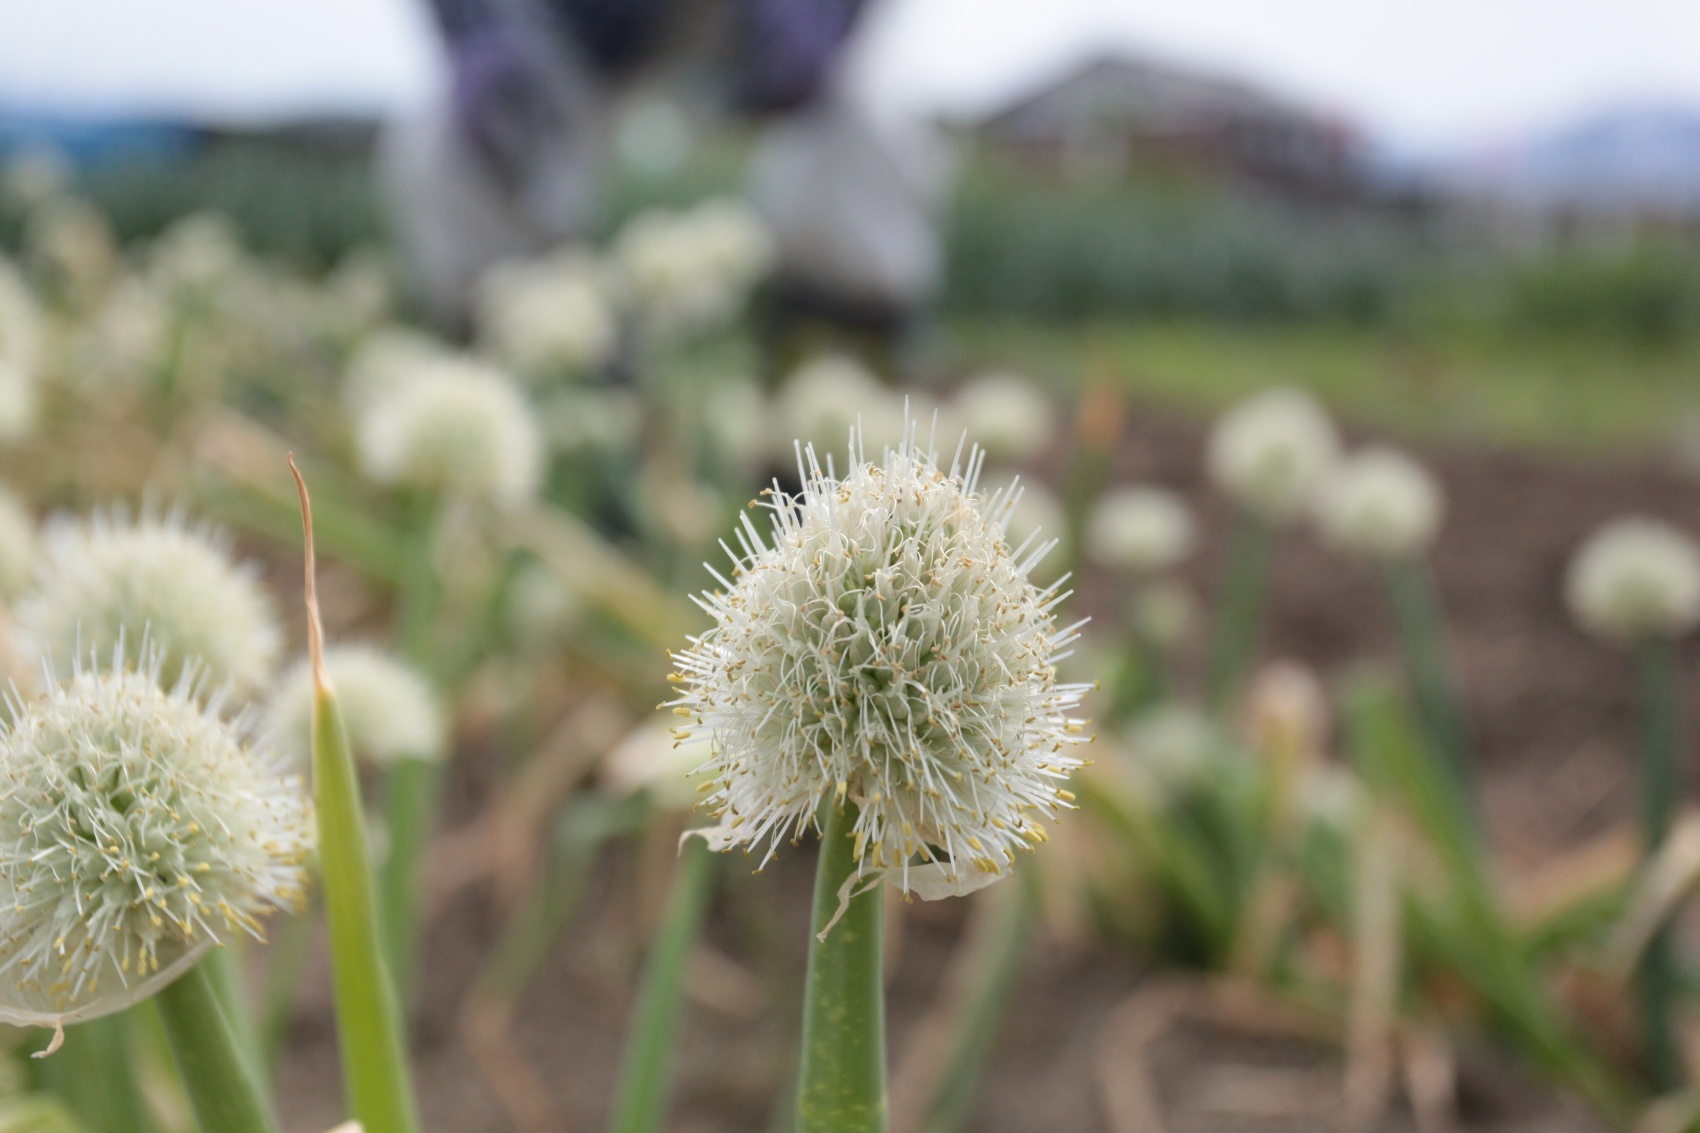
(1637, 157)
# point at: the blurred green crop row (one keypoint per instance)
(1027, 244)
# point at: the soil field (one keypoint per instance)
(1550, 713)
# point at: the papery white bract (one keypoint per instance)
(111, 579)
(137, 829)
(884, 645)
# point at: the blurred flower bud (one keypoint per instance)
(1269, 453)
(1139, 529)
(1636, 578)
(1007, 415)
(1380, 503)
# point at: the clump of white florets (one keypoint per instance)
(137, 829)
(388, 709)
(1139, 529)
(21, 344)
(690, 270)
(386, 360)
(457, 427)
(112, 579)
(883, 646)
(17, 546)
(1007, 415)
(1270, 453)
(547, 316)
(1636, 578)
(827, 396)
(1380, 503)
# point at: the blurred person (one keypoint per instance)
(509, 162)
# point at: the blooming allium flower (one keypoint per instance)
(389, 711)
(457, 427)
(827, 396)
(691, 270)
(548, 315)
(1007, 414)
(137, 829)
(885, 647)
(1270, 452)
(1381, 503)
(385, 361)
(111, 579)
(1636, 578)
(1141, 529)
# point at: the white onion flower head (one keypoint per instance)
(163, 580)
(386, 360)
(459, 427)
(1164, 612)
(883, 645)
(826, 397)
(548, 316)
(18, 546)
(1140, 529)
(1636, 578)
(541, 609)
(196, 255)
(1006, 415)
(137, 829)
(1269, 453)
(388, 709)
(733, 240)
(1380, 503)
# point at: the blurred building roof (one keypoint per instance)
(1113, 112)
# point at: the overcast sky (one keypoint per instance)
(1417, 71)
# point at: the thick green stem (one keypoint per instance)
(641, 1104)
(223, 967)
(369, 1030)
(218, 1078)
(1239, 609)
(98, 1051)
(992, 971)
(411, 806)
(413, 784)
(1659, 729)
(1416, 608)
(841, 1085)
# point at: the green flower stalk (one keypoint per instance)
(1268, 454)
(1383, 506)
(395, 724)
(1142, 532)
(1637, 582)
(640, 1104)
(881, 670)
(369, 1030)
